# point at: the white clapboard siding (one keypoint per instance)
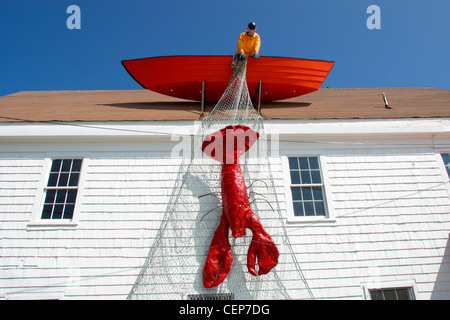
(391, 220)
(120, 211)
(393, 217)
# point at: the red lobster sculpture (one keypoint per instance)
(226, 146)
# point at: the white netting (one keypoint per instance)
(173, 269)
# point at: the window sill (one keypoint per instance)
(294, 220)
(51, 225)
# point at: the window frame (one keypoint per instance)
(291, 217)
(66, 188)
(443, 168)
(409, 290)
(36, 220)
(446, 167)
(389, 285)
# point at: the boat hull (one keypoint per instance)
(182, 76)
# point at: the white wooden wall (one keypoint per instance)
(391, 209)
(392, 226)
(119, 212)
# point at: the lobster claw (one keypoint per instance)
(263, 248)
(219, 259)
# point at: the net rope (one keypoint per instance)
(173, 268)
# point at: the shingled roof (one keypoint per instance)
(144, 105)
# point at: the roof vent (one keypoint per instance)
(386, 105)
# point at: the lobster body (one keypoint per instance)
(235, 200)
(237, 213)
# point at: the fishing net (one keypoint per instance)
(173, 268)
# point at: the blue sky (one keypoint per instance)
(38, 51)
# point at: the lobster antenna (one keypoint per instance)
(176, 257)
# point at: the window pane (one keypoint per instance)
(56, 165)
(320, 208)
(73, 182)
(61, 196)
(303, 163)
(63, 177)
(296, 194)
(306, 178)
(448, 171)
(315, 175)
(66, 165)
(298, 209)
(446, 158)
(50, 197)
(307, 194)
(71, 196)
(317, 193)
(295, 177)
(376, 294)
(76, 166)
(389, 294)
(309, 209)
(293, 163)
(314, 163)
(403, 294)
(47, 212)
(52, 180)
(57, 211)
(68, 211)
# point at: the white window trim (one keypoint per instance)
(388, 285)
(443, 170)
(291, 218)
(36, 222)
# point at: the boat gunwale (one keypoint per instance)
(192, 55)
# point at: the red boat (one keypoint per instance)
(186, 76)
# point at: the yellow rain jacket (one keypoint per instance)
(249, 45)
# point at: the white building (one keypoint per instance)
(87, 176)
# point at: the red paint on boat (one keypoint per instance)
(182, 76)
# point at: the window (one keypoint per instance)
(62, 188)
(392, 294)
(446, 158)
(306, 187)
